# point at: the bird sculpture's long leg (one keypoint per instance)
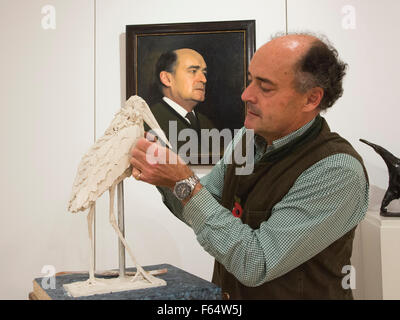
(90, 217)
(113, 222)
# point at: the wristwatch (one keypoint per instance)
(184, 188)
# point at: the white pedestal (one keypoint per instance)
(380, 257)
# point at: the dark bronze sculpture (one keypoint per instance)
(393, 191)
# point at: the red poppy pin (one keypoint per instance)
(237, 210)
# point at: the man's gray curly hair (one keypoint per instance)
(319, 67)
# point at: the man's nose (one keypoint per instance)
(202, 77)
(248, 94)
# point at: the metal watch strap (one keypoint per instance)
(193, 180)
(189, 182)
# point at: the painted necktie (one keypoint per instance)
(193, 121)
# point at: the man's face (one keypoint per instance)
(273, 105)
(188, 81)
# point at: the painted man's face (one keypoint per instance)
(188, 80)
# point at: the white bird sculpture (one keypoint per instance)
(106, 164)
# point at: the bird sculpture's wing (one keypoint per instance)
(108, 159)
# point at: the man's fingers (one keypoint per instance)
(143, 144)
(137, 153)
(140, 148)
(137, 174)
(137, 169)
(134, 162)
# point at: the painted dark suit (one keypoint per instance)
(164, 113)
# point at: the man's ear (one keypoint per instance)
(165, 78)
(314, 97)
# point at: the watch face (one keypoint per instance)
(183, 190)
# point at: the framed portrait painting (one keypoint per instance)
(225, 46)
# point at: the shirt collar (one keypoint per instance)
(181, 110)
(260, 143)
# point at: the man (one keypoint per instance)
(181, 77)
(292, 224)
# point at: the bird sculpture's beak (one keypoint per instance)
(368, 143)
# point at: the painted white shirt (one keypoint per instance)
(181, 110)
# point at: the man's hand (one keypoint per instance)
(157, 165)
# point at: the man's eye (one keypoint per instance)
(266, 89)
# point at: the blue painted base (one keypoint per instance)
(181, 285)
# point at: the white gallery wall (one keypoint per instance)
(46, 123)
(61, 84)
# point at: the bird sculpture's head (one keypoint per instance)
(129, 115)
(136, 111)
(133, 113)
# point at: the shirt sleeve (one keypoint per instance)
(326, 201)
